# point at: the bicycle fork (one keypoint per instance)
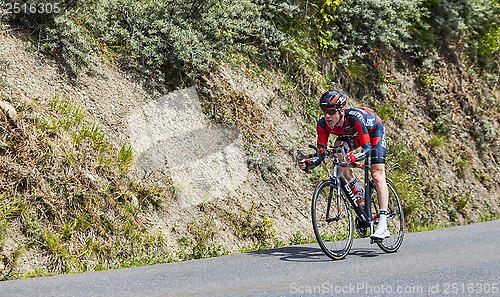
(339, 216)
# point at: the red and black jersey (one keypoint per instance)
(361, 128)
(359, 125)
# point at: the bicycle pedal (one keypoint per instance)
(362, 230)
(375, 240)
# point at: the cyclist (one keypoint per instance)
(355, 127)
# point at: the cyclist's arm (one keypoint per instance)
(322, 135)
(322, 139)
(365, 149)
(314, 162)
(364, 140)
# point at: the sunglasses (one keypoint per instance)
(330, 111)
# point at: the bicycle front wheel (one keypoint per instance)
(332, 220)
(395, 219)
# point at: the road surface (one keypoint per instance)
(460, 261)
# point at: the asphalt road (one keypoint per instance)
(461, 261)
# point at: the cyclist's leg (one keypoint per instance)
(378, 175)
(378, 153)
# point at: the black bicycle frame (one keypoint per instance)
(363, 213)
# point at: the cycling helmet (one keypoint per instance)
(332, 100)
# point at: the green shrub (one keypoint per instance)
(187, 37)
(484, 130)
(361, 27)
(489, 49)
(177, 41)
(164, 38)
(58, 30)
(263, 162)
(473, 21)
(200, 245)
(462, 163)
(436, 141)
(387, 111)
(298, 238)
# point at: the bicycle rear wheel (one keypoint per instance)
(332, 220)
(395, 219)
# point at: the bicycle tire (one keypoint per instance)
(334, 236)
(395, 220)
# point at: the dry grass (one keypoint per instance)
(65, 193)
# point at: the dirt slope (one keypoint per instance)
(449, 125)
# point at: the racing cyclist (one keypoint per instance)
(355, 127)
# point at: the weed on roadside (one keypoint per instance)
(64, 189)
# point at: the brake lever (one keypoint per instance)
(300, 156)
(323, 147)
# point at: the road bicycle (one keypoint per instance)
(333, 202)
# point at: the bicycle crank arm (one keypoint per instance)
(329, 220)
(372, 241)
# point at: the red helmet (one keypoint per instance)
(332, 99)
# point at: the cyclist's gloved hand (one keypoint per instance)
(304, 164)
(350, 157)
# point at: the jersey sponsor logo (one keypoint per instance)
(350, 135)
(369, 122)
(349, 129)
(356, 114)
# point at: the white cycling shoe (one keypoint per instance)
(381, 234)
